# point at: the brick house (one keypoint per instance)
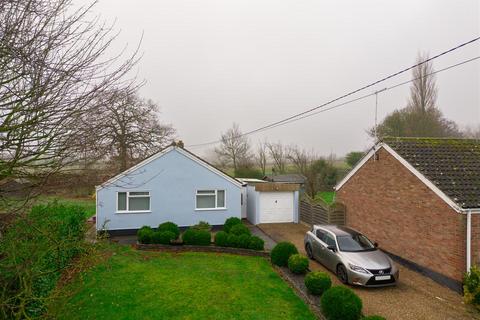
(419, 198)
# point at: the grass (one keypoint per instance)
(327, 196)
(86, 203)
(150, 285)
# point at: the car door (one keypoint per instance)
(330, 257)
(318, 245)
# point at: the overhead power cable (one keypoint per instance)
(302, 114)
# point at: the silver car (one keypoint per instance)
(351, 256)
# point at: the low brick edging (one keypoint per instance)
(187, 248)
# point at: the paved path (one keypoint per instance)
(269, 242)
(415, 297)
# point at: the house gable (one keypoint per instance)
(163, 152)
(405, 163)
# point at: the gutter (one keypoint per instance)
(469, 213)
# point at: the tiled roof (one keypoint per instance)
(453, 165)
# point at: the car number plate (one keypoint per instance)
(378, 278)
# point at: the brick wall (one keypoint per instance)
(390, 205)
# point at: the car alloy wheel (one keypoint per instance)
(308, 248)
(342, 274)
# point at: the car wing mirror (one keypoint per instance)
(331, 247)
(375, 244)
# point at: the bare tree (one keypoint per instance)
(472, 132)
(53, 63)
(234, 148)
(278, 153)
(421, 117)
(320, 174)
(262, 156)
(128, 127)
(299, 158)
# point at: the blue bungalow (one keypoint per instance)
(172, 185)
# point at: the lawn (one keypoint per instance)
(88, 204)
(151, 285)
(327, 196)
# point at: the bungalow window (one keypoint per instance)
(210, 199)
(133, 201)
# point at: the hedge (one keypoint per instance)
(170, 226)
(230, 222)
(240, 229)
(35, 249)
(163, 237)
(145, 235)
(197, 237)
(298, 264)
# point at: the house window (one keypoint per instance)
(133, 201)
(210, 199)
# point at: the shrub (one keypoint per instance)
(240, 229)
(317, 282)
(230, 222)
(202, 225)
(170, 226)
(374, 318)
(471, 286)
(233, 241)
(244, 241)
(256, 243)
(341, 303)
(163, 237)
(197, 237)
(281, 252)
(34, 250)
(221, 239)
(145, 234)
(298, 264)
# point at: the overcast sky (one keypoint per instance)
(211, 63)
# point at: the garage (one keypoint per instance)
(276, 207)
(271, 202)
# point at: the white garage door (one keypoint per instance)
(276, 207)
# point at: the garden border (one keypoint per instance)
(211, 248)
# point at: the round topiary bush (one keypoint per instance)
(243, 241)
(341, 303)
(170, 226)
(374, 318)
(298, 264)
(144, 234)
(240, 229)
(256, 243)
(281, 252)
(230, 222)
(221, 238)
(163, 237)
(317, 282)
(197, 237)
(233, 241)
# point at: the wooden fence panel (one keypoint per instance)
(318, 213)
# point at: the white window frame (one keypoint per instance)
(128, 196)
(210, 194)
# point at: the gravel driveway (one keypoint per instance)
(414, 297)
